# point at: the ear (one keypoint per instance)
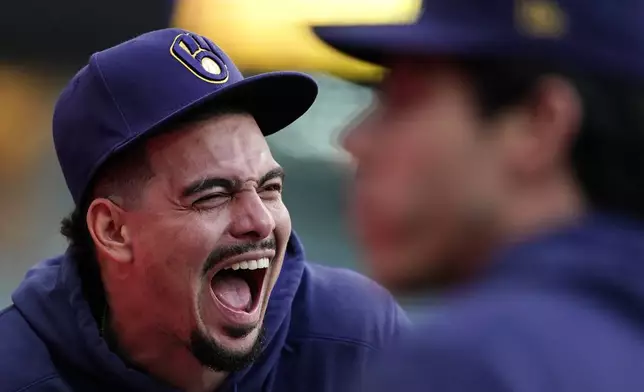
(552, 119)
(105, 221)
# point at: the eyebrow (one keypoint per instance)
(230, 185)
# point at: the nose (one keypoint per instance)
(356, 139)
(251, 220)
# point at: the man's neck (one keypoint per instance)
(144, 348)
(140, 345)
(551, 207)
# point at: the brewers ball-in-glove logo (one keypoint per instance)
(199, 55)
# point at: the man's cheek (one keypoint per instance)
(375, 202)
(380, 216)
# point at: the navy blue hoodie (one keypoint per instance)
(322, 324)
(561, 313)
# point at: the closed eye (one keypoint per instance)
(273, 187)
(212, 197)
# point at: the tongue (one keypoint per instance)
(232, 291)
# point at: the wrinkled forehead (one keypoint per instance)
(229, 146)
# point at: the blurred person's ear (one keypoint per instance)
(550, 120)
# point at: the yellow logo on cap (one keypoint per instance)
(540, 18)
(200, 56)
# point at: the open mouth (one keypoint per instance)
(238, 287)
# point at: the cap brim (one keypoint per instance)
(378, 43)
(274, 99)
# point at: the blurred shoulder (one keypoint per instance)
(527, 340)
(343, 304)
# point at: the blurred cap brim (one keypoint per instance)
(378, 43)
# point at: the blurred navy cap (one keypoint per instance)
(129, 91)
(600, 36)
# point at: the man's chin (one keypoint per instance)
(401, 273)
(233, 349)
(419, 278)
(238, 339)
(240, 332)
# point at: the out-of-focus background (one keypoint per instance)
(43, 43)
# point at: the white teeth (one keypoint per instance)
(251, 264)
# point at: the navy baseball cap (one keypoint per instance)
(129, 91)
(599, 36)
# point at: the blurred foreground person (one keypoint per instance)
(503, 168)
(182, 270)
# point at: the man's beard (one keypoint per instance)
(206, 349)
(212, 355)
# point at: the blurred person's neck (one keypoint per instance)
(529, 213)
(543, 207)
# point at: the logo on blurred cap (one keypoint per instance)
(540, 18)
(199, 56)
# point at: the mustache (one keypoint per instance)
(224, 252)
